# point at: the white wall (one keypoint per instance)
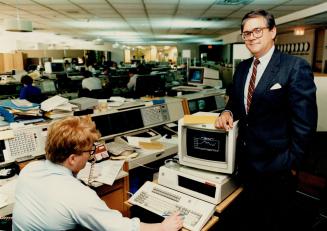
(321, 83)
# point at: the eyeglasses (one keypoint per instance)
(256, 32)
(91, 152)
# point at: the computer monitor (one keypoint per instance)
(195, 76)
(52, 67)
(149, 85)
(204, 104)
(199, 76)
(205, 147)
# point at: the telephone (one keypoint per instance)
(101, 152)
(119, 148)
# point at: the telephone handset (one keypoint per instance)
(91, 174)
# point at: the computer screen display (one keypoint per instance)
(149, 85)
(206, 104)
(196, 75)
(57, 67)
(205, 147)
(206, 144)
(115, 123)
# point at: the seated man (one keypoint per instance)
(50, 197)
(91, 83)
(28, 91)
(132, 73)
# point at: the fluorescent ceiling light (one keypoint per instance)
(17, 25)
(98, 41)
(98, 25)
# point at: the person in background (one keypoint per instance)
(274, 98)
(28, 91)
(90, 82)
(33, 71)
(50, 197)
(132, 73)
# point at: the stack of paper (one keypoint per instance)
(58, 107)
(21, 107)
(53, 102)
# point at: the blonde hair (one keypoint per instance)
(68, 136)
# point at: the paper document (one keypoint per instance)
(199, 119)
(115, 104)
(22, 103)
(8, 191)
(53, 102)
(151, 145)
(117, 99)
(104, 172)
(134, 141)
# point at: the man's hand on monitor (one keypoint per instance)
(224, 120)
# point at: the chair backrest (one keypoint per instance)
(97, 94)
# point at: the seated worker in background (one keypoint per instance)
(50, 197)
(132, 73)
(28, 91)
(33, 71)
(90, 82)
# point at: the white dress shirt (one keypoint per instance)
(131, 85)
(92, 83)
(264, 61)
(49, 197)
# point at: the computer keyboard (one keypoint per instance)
(165, 201)
(187, 88)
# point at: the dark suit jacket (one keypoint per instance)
(277, 131)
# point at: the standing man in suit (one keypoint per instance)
(274, 98)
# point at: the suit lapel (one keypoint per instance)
(269, 76)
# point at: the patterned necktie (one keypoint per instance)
(252, 84)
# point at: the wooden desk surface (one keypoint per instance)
(225, 203)
(209, 224)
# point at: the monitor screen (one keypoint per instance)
(57, 67)
(205, 147)
(206, 144)
(196, 75)
(149, 85)
(206, 104)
